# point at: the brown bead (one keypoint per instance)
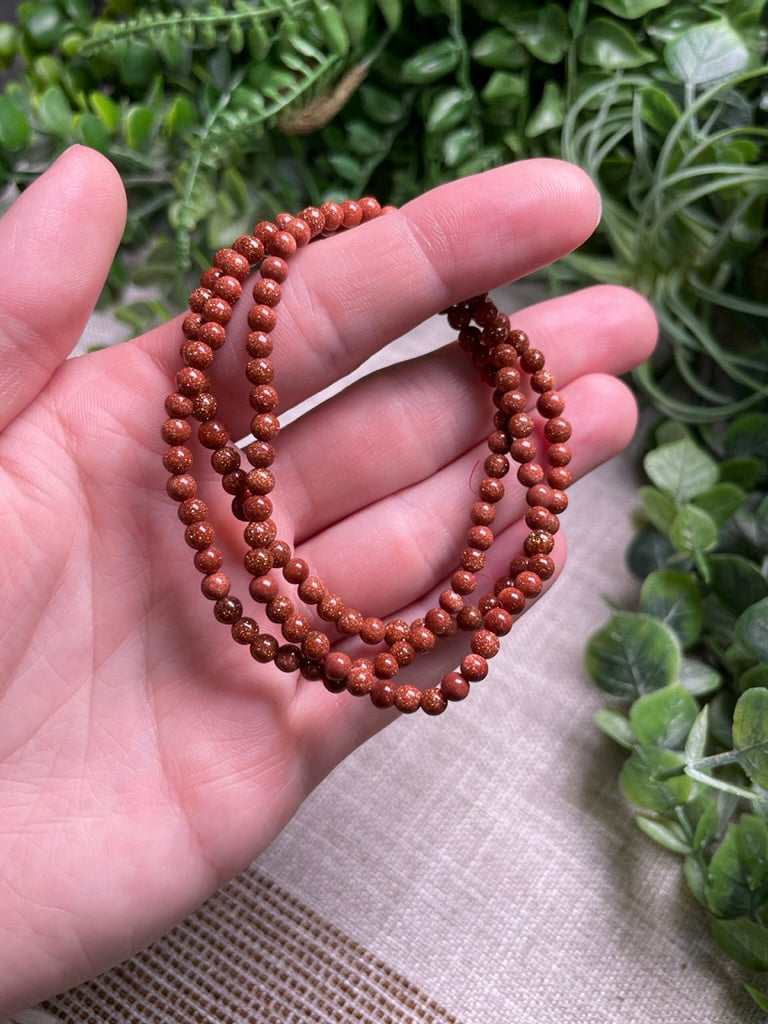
(235, 482)
(469, 618)
(542, 380)
(232, 262)
(262, 318)
(197, 354)
(539, 542)
(451, 601)
(245, 630)
(288, 658)
(458, 317)
(560, 477)
(539, 494)
(296, 627)
(474, 667)
(337, 665)
(532, 360)
(360, 680)
(351, 213)
(454, 686)
(215, 585)
(542, 565)
(314, 219)
(210, 276)
(496, 465)
(228, 610)
(225, 460)
(218, 310)
(333, 216)
(518, 564)
(228, 288)
(315, 645)
(504, 355)
(472, 559)
(506, 380)
(485, 642)
(199, 535)
(550, 404)
(512, 402)
(482, 513)
(350, 622)
(486, 602)
(280, 608)
(263, 589)
(433, 701)
(261, 534)
(540, 518)
(181, 487)
(408, 698)
(529, 583)
(265, 426)
(191, 381)
(331, 607)
(498, 442)
(523, 449)
(193, 510)
(556, 430)
(260, 481)
(259, 344)
(263, 398)
(438, 620)
(257, 507)
(284, 221)
(491, 490)
(512, 600)
(259, 371)
(258, 561)
(260, 454)
(178, 406)
(421, 638)
(208, 560)
(177, 459)
(530, 473)
(264, 648)
(204, 406)
(403, 652)
(250, 247)
(190, 325)
(275, 268)
(213, 434)
(212, 334)
(396, 629)
(559, 454)
(384, 693)
(498, 621)
(372, 630)
(296, 570)
(311, 669)
(282, 244)
(558, 501)
(520, 425)
(385, 665)
(370, 207)
(198, 299)
(311, 589)
(480, 537)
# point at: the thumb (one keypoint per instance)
(57, 242)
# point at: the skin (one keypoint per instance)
(144, 757)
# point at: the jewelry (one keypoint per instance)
(504, 358)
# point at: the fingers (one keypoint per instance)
(57, 242)
(348, 295)
(401, 425)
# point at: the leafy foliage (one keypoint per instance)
(697, 730)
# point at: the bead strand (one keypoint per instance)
(503, 357)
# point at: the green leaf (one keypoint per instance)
(504, 88)
(692, 530)
(107, 111)
(332, 27)
(698, 678)
(138, 126)
(54, 111)
(658, 109)
(498, 49)
(747, 437)
(42, 23)
(544, 32)
(641, 780)
(381, 106)
(721, 502)
(666, 833)
(549, 113)
(706, 53)
(674, 598)
(459, 144)
(664, 717)
(648, 550)
(745, 941)
(743, 471)
(755, 675)
(750, 734)
(630, 9)
(659, 508)
(392, 10)
(698, 734)
(15, 130)
(431, 62)
(757, 996)
(448, 108)
(608, 45)
(180, 117)
(632, 654)
(617, 726)
(752, 629)
(737, 881)
(681, 469)
(89, 129)
(736, 581)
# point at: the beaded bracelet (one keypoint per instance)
(502, 355)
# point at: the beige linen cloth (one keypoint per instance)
(477, 868)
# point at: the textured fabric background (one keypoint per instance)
(478, 868)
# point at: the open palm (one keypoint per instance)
(144, 757)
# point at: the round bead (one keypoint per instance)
(384, 693)
(408, 698)
(433, 701)
(280, 551)
(245, 630)
(337, 665)
(228, 610)
(296, 570)
(264, 648)
(454, 686)
(474, 667)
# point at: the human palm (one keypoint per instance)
(144, 757)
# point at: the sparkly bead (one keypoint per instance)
(296, 570)
(491, 490)
(520, 425)
(539, 494)
(530, 474)
(204, 406)
(421, 638)
(258, 561)
(482, 513)
(484, 312)
(311, 589)
(559, 454)
(181, 487)
(433, 701)
(472, 559)
(250, 247)
(479, 537)
(197, 354)
(529, 583)
(403, 652)
(540, 518)
(486, 602)
(551, 403)
(542, 381)
(518, 564)
(507, 380)
(454, 686)
(438, 620)
(560, 477)
(519, 339)
(463, 581)
(504, 355)
(262, 318)
(199, 535)
(496, 465)
(230, 261)
(258, 344)
(257, 507)
(408, 698)
(474, 667)
(264, 648)
(288, 658)
(385, 665)
(260, 481)
(384, 693)
(372, 630)
(282, 244)
(280, 608)
(300, 231)
(235, 482)
(228, 610)
(360, 680)
(208, 560)
(451, 601)
(542, 565)
(284, 221)
(337, 664)
(350, 622)
(539, 542)
(178, 406)
(532, 360)
(296, 627)
(330, 608)
(333, 216)
(469, 338)
(498, 621)
(498, 442)
(215, 585)
(396, 629)
(193, 510)
(558, 501)
(485, 643)
(512, 600)
(314, 219)
(218, 310)
(267, 292)
(310, 669)
(351, 213)
(556, 430)
(370, 207)
(469, 618)
(212, 334)
(263, 589)
(190, 325)
(275, 268)
(458, 317)
(213, 434)
(210, 276)
(198, 299)
(177, 459)
(191, 381)
(265, 426)
(260, 454)
(245, 630)
(229, 289)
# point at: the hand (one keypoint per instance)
(144, 757)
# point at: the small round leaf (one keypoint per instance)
(750, 734)
(752, 629)
(633, 654)
(674, 598)
(642, 780)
